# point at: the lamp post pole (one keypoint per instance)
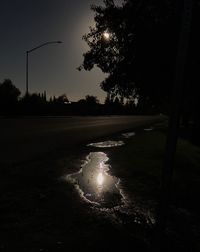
(27, 73)
(27, 60)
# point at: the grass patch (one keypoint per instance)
(139, 164)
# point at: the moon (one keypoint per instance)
(106, 35)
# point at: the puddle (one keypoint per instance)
(95, 184)
(128, 135)
(149, 129)
(98, 187)
(106, 144)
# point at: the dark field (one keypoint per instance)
(40, 211)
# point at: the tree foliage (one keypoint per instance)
(9, 94)
(62, 99)
(91, 100)
(139, 55)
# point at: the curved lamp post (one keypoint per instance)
(27, 54)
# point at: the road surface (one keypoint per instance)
(40, 211)
(23, 139)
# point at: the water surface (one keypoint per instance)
(128, 135)
(149, 129)
(95, 184)
(106, 144)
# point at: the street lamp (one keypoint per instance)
(33, 49)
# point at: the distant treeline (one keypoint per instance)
(12, 104)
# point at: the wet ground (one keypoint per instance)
(41, 211)
(82, 199)
(115, 196)
(95, 183)
(106, 144)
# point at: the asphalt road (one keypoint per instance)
(23, 139)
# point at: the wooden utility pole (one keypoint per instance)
(174, 119)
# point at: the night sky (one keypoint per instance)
(25, 24)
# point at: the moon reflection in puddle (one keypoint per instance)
(95, 184)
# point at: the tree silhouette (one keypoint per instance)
(62, 99)
(9, 95)
(8, 92)
(91, 100)
(90, 105)
(139, 54)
